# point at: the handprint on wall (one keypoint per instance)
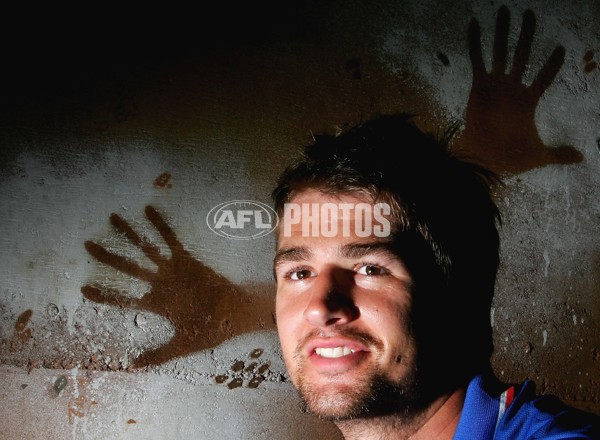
(204, 307)
(240, 373)
(500, 129)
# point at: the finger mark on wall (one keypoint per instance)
(163, 181)
(590, 64)
(22, 332)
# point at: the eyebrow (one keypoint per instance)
(352, 250)
(358, 250)
(291, 254)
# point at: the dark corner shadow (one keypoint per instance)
(204, 307)
(500, 130)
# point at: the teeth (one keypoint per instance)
(334, 352)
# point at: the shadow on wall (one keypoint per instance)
(500, 130)
(204, 307)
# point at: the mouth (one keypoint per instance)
(336, 358)
(334, 352)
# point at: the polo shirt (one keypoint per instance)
(514, 412)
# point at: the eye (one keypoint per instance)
(301, 274)
(370, 270)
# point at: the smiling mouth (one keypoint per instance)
(334, 352)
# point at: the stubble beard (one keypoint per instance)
(372, 395)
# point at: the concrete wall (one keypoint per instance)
(120, 126)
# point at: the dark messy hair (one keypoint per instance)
(444, 222)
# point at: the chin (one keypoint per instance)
(333, 405)
(375, 396)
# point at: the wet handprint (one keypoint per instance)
(204, 307)
(240, 373)
(500, 128)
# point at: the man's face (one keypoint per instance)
(343, 314)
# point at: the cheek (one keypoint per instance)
(385, 311)
(390, 322)
(286, 318)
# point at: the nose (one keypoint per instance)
(331, 300)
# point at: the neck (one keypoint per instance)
(438, 421)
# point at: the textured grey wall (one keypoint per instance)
(114, 128)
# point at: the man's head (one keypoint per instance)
(386, 320)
